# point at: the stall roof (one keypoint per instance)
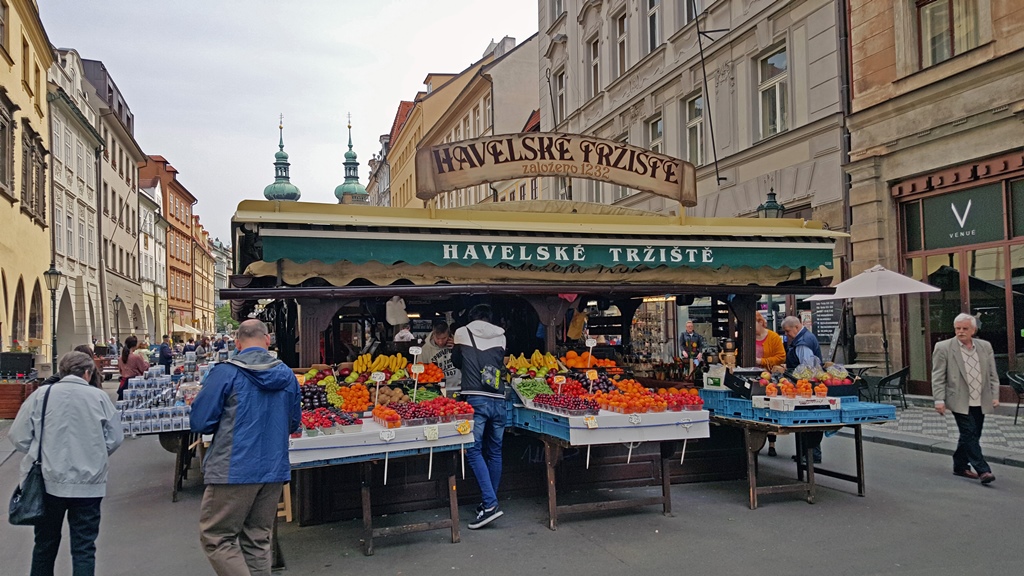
(357, 249)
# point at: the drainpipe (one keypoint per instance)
(845, 98)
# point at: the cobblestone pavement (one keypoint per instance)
(999, 432)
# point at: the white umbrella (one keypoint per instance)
(877, 281)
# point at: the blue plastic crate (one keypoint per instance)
(715, 399)
(798, 417)
(860, 412)
(844, 400)
(738, 408)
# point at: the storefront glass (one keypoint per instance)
(986, 278)
(1017, 285)
(917, 311)
(944, 273)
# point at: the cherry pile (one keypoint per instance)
(410, 411)
(327, 417)
(564, 402)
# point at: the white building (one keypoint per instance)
(222, 268)
(152, 259)
(631, 71)
(119, 199)
(75, 149)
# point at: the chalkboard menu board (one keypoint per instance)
(827, 315)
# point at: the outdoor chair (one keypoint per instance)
(864, 389)
(1017, 383)
(893, 385)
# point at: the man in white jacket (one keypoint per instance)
(480, 353)
(81, 429)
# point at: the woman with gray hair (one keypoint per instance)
(82, 428)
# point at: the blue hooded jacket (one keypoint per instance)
(803, 338)
(251, 404)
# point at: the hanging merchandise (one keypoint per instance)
(394, 311)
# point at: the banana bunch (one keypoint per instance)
(362, 363)
(391, 363)
(549, 361)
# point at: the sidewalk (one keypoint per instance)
(920, 427)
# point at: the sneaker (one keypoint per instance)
(485, 517)
(479, 508)
(772, 452)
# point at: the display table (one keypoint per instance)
(558, 432)
(808, 437)
(374, 444)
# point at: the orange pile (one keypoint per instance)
(803, 388)
(574, 360)
(356, 398)
(432, 373)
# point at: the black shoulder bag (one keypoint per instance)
(27, 503)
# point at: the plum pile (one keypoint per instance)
(313, 396)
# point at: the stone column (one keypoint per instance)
(873, 237)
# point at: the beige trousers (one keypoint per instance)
(235, 526)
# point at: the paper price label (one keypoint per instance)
(592, 374)
(431, 432)
(416, 369)
(378, 377)
(635, 419)
(415, 350)
(559, 380)
(591, 342)
(590, 421)
(463, 427)
(387, 435)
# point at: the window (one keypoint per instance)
(618, 191)
(595, 192)
(655, 134)
(476, 120)
(695, 131)
(557, 8)
(533, 189)
(689, 10)
(92, 246)
(522, 192)
(81, 159)
(3, 24)
(57, 131)
(465, 128)
(621, 30)
(24, 67)
(487, 112)
(945, 28)
(69, 223)
(653, 24)
(58, 233)
(81, 238)
(68, 159)
(33, 173)
(594, 67)
(564, 192)
(6, 146)
(560, 97)
(772, 95)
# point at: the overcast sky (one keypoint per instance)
(206, 80)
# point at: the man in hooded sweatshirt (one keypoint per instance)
(479, 349)
(250, 404)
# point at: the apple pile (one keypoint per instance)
(687, 399)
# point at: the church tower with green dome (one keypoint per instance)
(282, 188)
(351, 191)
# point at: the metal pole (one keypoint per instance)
(53, 327)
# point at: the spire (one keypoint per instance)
(351, 191)
(282, 188)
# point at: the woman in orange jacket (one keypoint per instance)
(770, 353)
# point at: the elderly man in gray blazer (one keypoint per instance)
(964, 380)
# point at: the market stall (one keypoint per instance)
(534, 261)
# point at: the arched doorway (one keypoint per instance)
(66, 334)
(137, 319)
(121, 326)
(150, 326)
(18, 316)
(35, 314)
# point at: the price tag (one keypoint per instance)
(590, 421)
(415, 350)
(463, 427)
(430, 432)
(634, 419)
(417, 369)
(592, 374)
(378, 377)
(559, 380)
(591, 342)
(387, 435)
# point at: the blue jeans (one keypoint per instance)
(485, 454)
(968, 448)
(84, 523)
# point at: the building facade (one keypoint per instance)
(152, 259)
(25, 210)
(937, 170)
(204, 318)
(222, 267)
(498, 99)
(631, 71)
(378, 186)
(177, 210)
(74, 161)
(428, 106)
(119, 202)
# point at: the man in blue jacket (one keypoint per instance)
(250, 404)
(802, 348)
(166, 354)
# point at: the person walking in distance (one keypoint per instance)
(130, 364)
(166, 354)
(80, 431)
(480, 353)
(964, 381)
(250, 404)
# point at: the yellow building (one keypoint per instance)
(429, 106)
(203, 313)
(25, 210)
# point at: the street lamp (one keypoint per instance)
(117, 321)
(52, 277)
(771, 208)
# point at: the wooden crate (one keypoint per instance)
(12, 395)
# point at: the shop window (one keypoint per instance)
(772, 94)
(945, 28)
(986, 281)
(695, 131)
(1017, 206)
(912, 226)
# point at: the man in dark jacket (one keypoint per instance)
(801, 348)
(479, 349)
(166, 354)
(251, 404)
